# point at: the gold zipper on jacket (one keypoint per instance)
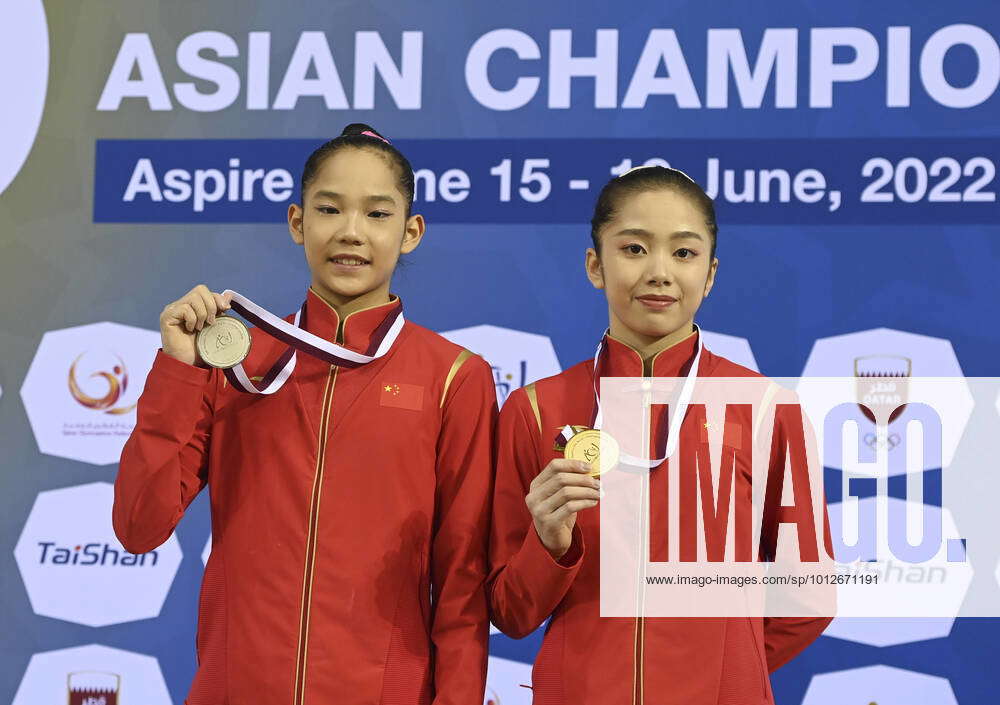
(638, 649)
(644, 500)
(310, 558)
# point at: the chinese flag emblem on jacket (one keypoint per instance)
(402, 396)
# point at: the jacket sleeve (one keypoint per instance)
(526, 583)
(164, 463)
(460, 625)
(786, 637)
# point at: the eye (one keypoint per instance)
(690, 253)
(327, 210)
(379, 214)
(633, 249)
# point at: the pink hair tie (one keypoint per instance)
(369, 133)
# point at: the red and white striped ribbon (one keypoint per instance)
(298, 339)
(683, 399)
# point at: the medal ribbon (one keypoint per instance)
(298, 339)
(673, 431)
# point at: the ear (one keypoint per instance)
(711, 276)
(295, 214)
(412, 234)
(595, 272)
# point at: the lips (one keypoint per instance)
(656, 301)
(349, 260)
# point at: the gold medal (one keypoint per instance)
(225, 343)
(586, 446)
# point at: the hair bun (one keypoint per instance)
(356, 129)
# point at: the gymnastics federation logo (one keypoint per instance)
(82, 387)
(92, 675)
(24, 76)
(517, 358)
(75, 569)
(117, 384)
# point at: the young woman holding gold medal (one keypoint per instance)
(653, 255)
(348, 457)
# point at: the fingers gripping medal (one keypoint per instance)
(225, 343)
(598, 448)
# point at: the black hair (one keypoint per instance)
(361, 136)
(650, 178)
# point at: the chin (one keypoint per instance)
(345, 290)
(658, 327)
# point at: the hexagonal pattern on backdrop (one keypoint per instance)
(92, 674)
(81, 389)
(517, 358)
(74, 568)
(936, 584)
(898, 359)
(884, 685)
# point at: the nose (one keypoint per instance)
(350, 231)
(659, 271)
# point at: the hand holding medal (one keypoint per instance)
(225, 342)
(562, 489)
(182, 322)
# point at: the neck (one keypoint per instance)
(649, 347)
(346, 305)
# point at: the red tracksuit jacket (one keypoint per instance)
(587, 659)
(339, 504)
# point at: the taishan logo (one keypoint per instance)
(116, 379)
(99, 554)
(74, 568)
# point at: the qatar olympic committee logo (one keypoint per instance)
(24, 76)
(92, 675)
(883, 369)
(82, 389)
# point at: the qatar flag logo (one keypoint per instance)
(24, 77)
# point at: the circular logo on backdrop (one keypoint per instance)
(24, 76)
(82, 387)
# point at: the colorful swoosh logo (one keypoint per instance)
(117, 381)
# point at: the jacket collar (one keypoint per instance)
(362, 329)
(619, 359)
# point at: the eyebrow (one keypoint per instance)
(376, 198)
(641, 232)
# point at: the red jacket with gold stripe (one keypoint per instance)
(585, 658)
(350, 515)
